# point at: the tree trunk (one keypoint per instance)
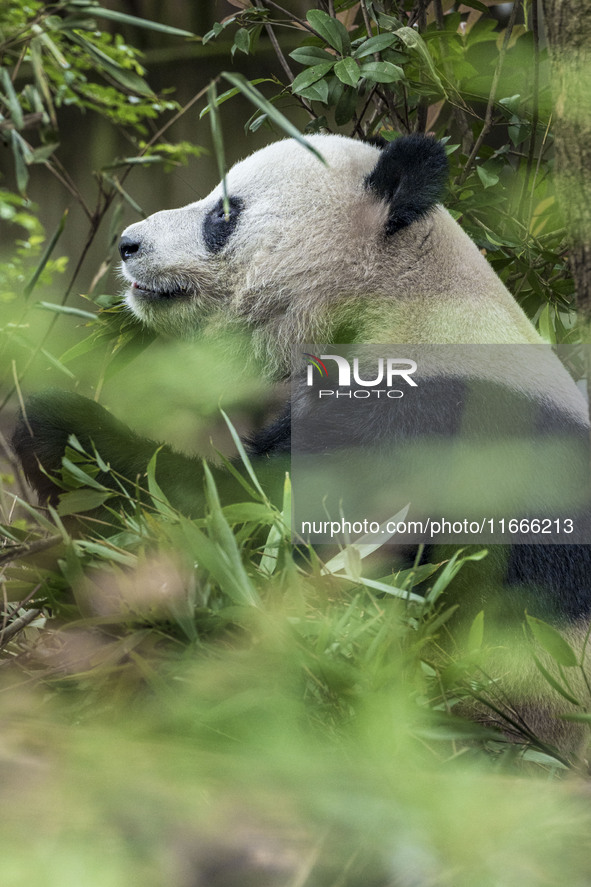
(568, 31)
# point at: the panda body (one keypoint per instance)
(309, 249)
(306, 249)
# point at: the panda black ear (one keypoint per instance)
(411, 175)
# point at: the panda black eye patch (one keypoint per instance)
(217, 229)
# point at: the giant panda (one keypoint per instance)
(354, 247)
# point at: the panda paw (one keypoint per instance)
(43, 429)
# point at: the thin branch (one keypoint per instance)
(406, 117)
(158, 135)
(537, 170)
(14, 465)
(290, 15)
(19, 62)
(458, 114)
(535, 103)
(422, 107)
(492, 96)
(70, 188)
(418, 12)
(279, 52)
(27, 549)
(439, 15)
(6, 634)
(62, 169)
(29, 120)
(20, 398)
(285, 65)
(367, 22)
(386, 98)
(358, 128)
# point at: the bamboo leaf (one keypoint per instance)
(316, 92)
(230, 93)
(43, 153)
(415, 42)
(52, 48)
(57, 363)
(487, 177)
(79, 349)
(81, 476)
(347, 70)
(21, 154)
(105, 552)
(345, 107)
(11, 99)
(311, 55)
(374, 44)
(381, 72)
(242, 41)
(79, 501)
(269, 559)
(41, 77)
(116, 184)
(243, 455)
(552, 642)
(555, 684)
(374, 585)
(231, 468)
(451, 569)
(331, 30)
(310, 75)
(230, 570)
(66, 309)
(159, 499)
(248, 512)
(365, 544)
(545, 324)
(476, 633)
(124, 19)
(128, 79)
(248, 90)
(476, 4)
(35, 513)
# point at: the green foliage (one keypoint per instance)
(164, 581)
(370, 74)
(53, 57)
(60, 51)
(15, 270)
(238, 672)
(484, 90)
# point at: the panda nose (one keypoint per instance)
(128, 248)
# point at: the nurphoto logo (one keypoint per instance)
(389, 371)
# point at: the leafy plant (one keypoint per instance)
(384, 69)
(115, 603)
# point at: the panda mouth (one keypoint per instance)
(154, 295)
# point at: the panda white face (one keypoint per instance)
(287, 213)
(309, 250)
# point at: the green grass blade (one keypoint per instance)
(364, 547)
(218, 143)
(230, 93)
(253, 95)
(244, 456)
(46, 255)
(137, 22)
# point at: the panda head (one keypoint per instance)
(353, 249)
